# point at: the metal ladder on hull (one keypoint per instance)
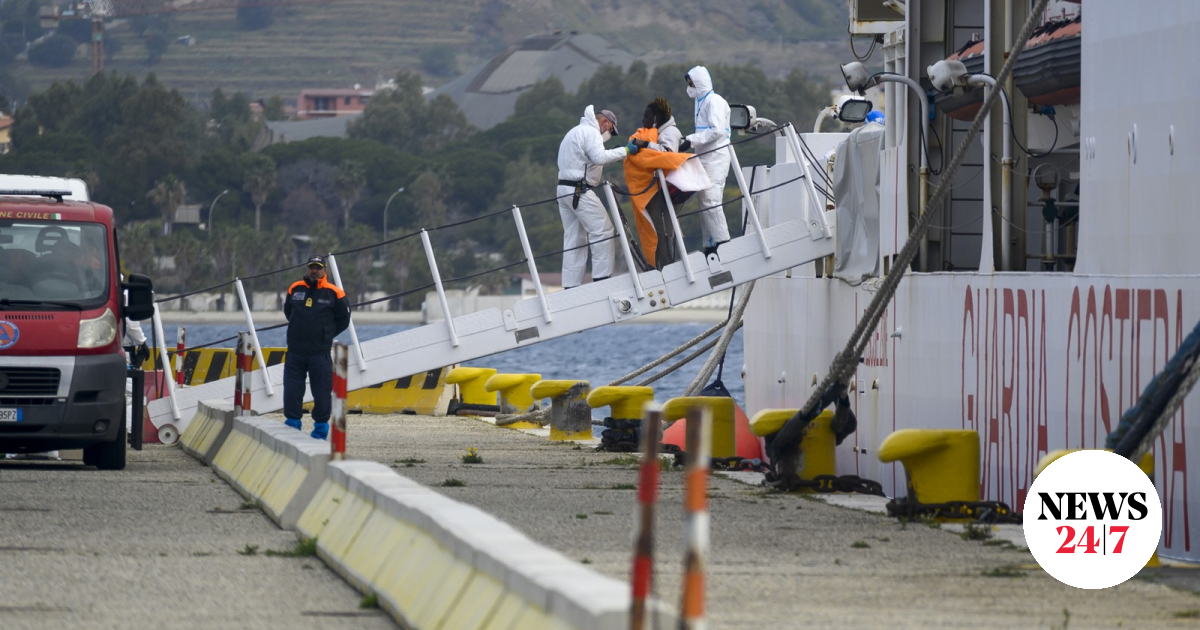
(757, 254)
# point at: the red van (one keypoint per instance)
(62, 318)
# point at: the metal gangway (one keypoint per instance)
(759, 253)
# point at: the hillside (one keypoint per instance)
(341, 42)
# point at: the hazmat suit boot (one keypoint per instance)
(320, 430)
(294, 423)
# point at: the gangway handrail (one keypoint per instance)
(241, 290)
(337, 281)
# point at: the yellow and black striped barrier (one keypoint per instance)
(417, 394)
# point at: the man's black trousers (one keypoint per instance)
(318, 369)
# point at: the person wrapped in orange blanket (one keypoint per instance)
(655, 230)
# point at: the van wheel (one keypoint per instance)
(108, 455)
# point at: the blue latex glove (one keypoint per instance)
(631, 148)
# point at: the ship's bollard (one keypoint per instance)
(337, 425)
(570, 415)
(514, 395)
(643, 552)
(180, 346)
(626, 403)
(817, 447)
(942, 465)
(1147, 466)
(246, 360)
(237, 379)
(695, 505)
(473, 398)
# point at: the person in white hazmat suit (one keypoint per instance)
(581, 160)
(712, 132)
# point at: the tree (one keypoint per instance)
(56, 51)
(439, 61)
(254, 18)
(138, 250)
(273, 108)
(168, 194)
(157, 43)
(400, 117)
(259, 182)
(348, 184)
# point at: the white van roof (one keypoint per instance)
(77, 189)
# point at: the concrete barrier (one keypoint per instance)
(432, 562)
(208, 430)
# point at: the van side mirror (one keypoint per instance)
(139, 302)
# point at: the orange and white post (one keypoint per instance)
(180, 348)
(337, 424)
(695, 505)
(237, 380)
(247, 363)
(643, 553)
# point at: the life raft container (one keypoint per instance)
(1048, 71)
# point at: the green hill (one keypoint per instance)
(337, 43)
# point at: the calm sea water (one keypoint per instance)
(599, 355)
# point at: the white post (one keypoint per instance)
(533, 272)
(683, 252)
(337, 280)
(616, 215)
(166, 361)
(741, 180)
(441, 291)
(262, 362)
(793, 139)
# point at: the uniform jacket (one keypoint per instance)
(582, 155)
(316, 313)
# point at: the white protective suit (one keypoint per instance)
(712, 131)
(582, 156)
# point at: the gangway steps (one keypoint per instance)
(574, 310)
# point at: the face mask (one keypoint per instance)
(606, 135)
(693, 92)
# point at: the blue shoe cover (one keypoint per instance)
(294, 423)
(320, 430)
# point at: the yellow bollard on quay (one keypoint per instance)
(941, 465)
(625, 403)
(1147, 466)
(817, 447)
(570, 415)
(724, 435)
(515, 396)
(473, 396)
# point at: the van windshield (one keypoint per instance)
(55, 262)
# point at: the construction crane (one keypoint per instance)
(97, 11)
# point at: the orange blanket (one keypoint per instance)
(639, 174)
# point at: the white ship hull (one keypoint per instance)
(1033, 361)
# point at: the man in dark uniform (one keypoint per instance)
(316, 312)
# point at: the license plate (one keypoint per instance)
(10, 415)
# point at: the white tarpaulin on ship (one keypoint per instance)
(856, 188)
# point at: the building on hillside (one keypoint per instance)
(332, 103)
(488, 95)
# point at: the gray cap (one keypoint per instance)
(612, 118)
